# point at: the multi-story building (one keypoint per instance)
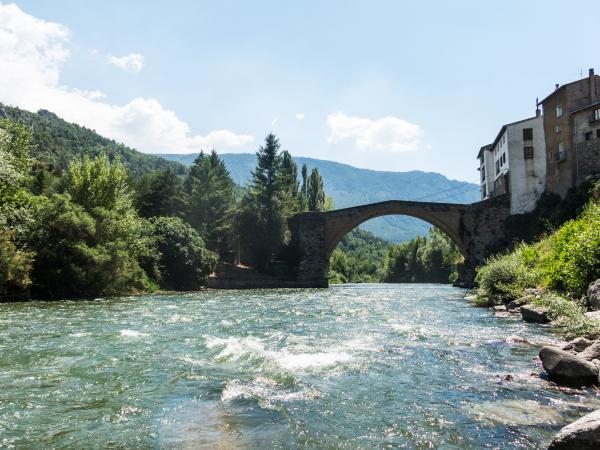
(572, 130)
(515, 164)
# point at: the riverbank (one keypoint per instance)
(574, 363)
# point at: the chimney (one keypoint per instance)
(593, 94)
(556, 86)
(537, 107)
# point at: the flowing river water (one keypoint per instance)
(355, 366)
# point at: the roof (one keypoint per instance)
(483, 149)
(504, 127)
(565, 85)
(591, 105)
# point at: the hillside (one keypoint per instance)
(58, 142)
(351, 186)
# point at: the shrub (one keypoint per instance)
(15, 268)
(505, 277)
(185, 263)
(574, 257)
(569, 314)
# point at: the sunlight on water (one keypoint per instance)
(357, 366)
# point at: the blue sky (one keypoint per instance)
(378, 84)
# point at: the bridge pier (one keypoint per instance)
(477, 229)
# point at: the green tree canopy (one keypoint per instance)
(159, 193)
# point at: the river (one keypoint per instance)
(354, 366)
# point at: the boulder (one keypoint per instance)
(591, 352)
(577, 345)
(593, 295)
(518, 302)
(534, 314)
(583, 434)
(567, 368)
(593, 315)
(499, 308)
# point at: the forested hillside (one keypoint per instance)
(58, 142)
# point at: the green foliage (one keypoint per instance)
(15, 268)
(159, 193)
(315, 192)
(574, 257)
(97, 183)
(184, 261)
(358, 258)
(289, 184)
(431, 259)
(262, 223)
(505, 277)
(58, 142)
(83, 254)
(569, 314)
(16, 143)
(210, 202)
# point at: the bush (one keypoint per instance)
(185, 263)
(505, 277)
(569, 314)
(15, 268)
(82, 254)
(574, 257)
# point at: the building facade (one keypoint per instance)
(515, 164)
(572, 131)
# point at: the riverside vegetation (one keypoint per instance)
(88, 226)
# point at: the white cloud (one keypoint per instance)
(386, 134)
(32, 52)
(134, 62)
(300, 116)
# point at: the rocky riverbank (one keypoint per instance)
(575, 363)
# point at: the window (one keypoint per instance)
(558, 128)
(598, 133)
(559, 111)
(483, 173)
(597, 114)
(503, 158)
(562, 152)
(528, 152)
(497, 167)
(588, 136)
(527, 134)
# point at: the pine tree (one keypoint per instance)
(289, 184)
(210, 200)
(304, 189)
(159, 194)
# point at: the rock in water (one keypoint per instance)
(567, 368)
(591, 352)
(518, 302)
(534, 314)
(578, 344)
(593, 295)
(583, 434)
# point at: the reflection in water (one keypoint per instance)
(357, 366)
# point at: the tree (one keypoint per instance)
(16, 144)
(83, 255)
(96, 183)
(185, 262)
(210, 200)
(159, 193)
(304, 189)
(316, 193)
(261, 222)
(289, 184)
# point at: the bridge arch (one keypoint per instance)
(477, 229)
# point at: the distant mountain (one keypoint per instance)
(351, 186)
(58, 142)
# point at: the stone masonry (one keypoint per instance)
(477, 229)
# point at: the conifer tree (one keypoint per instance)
(210, 200)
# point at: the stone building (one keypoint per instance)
(572, 130)
(515, 163)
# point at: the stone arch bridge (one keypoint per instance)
(477, 229)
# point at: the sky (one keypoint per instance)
(385, 85)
